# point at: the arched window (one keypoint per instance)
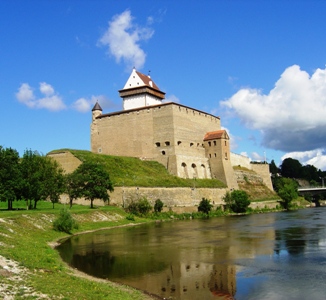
(184, 170)
(203, 169)
(194, 171)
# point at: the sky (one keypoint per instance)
(258, 65)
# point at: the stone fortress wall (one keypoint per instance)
(261, 169)
(176, 199)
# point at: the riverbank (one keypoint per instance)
(30, 268)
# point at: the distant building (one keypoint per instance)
(188, 142)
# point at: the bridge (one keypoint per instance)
(312, 190)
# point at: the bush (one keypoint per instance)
(142, 207)
(65, 222)
(237, 201)
(205, 206)
(130, 217)
(158, 206)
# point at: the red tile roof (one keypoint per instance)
(215, 135)
(146, 80)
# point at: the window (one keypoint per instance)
(167, 143)
(209, 144)
(179, 142)
(226, 155)
(214, 154)
(191, 144)
(99, 150)
(158, 144)
(225, 143)
(214, 143)
(163, 152)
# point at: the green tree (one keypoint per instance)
(273, 169)
(287, 189)
(42, 178)
(10, 176)
(205, 206)
(93, 182)
(55, 181)
(291, 168)
(237, 201)
(33, 180)
(71, 187)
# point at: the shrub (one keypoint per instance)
(237, 201)
(65, 222)
(142, 207)
(158, 206)
(132, 208)
(205, 206)
(130, 217)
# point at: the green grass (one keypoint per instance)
(25, 238)
(131, 171)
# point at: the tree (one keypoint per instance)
(55, 183)
(237, 201)
(93, 182)
(42, 178)
(205, 206)
(291, 168)
(287, 189)
(273, 169)
(10, 176)
(71, 187)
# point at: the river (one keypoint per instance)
(262, 256)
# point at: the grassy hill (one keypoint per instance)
(131, 171)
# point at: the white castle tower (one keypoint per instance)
(139, 91)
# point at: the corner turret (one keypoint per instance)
(96, 111)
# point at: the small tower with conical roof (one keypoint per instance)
(96, 111)
(139, 91)
(95, 145)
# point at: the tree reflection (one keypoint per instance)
(290, 239)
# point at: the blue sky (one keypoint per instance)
(259, 65)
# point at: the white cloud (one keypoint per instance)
(25, 95)
(171, 98)
(257, 157)
(291, 117)
(123, 37)
(51, 101)
(46, 89)
(82, 105)
(233, 139)
(85, 105)
(315, 157)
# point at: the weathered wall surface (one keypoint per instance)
(263, 171)
(240, 160)
(66, 160)
(171, 197)
(170, 133)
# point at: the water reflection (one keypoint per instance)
(223, 258)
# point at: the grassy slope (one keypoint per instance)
(25, 238)
(130, 171)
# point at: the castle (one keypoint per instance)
(188, 142)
